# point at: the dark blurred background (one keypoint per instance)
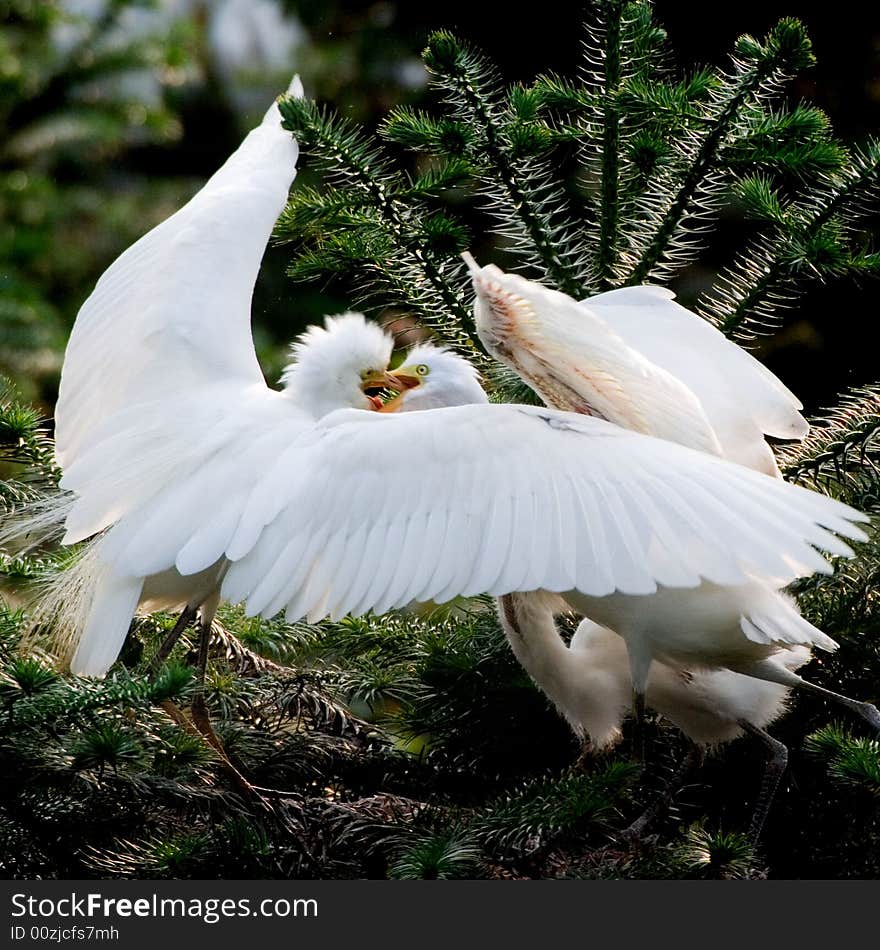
(115, 111)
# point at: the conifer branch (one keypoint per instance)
(842, 450)
(807, 239)
(468, 82)
(340, 150)
(609, 201)
(758, 70)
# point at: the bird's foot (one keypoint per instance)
(176, 713)
(634, 837)
(265, 796)
(202, 722)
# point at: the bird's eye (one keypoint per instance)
(422, 369)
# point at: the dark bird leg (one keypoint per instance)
(773, 673)
(867, 711)
(639, 728)
(202, 720)
(639, 669)
(777, 763)
(187, 616)
(199, 707)
(691, 762)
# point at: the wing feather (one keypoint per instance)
(591, 549)
(412, 533)
(742, 399)
(172, 313)
(497, 537)
(503, 498)
(522, 528)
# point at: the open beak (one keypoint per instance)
(399, 382)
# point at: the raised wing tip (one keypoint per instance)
(473, 266)
(478, 273)
(295, 89)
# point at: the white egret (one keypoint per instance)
(731, 404)
(199, 482)
(589, 681)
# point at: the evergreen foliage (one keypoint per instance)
(413, 745)
(74, 98)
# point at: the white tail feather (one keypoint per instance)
(114, 602)
(61, 601)
(81, 612)
(784, 625)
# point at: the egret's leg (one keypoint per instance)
(774, 673)
(198, 706)
(773, 772)
(867, 711)
(202, 720)
(639, 711)
(692, 761)
(585, 756)
(183, 621)
(639, 667)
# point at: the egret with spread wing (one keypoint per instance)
(589, 681)
(199, 482)
(597, 358)
(162, 398)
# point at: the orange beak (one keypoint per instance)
(402, 383)
(397, 382)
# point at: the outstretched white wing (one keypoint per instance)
(368, 511)
(172, 313)
(174, 467)
(743, 400)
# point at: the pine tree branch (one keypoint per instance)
(23, 440)
(340, 150)
(770, 267)
(843, 445)
(787, 49)
(464, 76)
(609, 200)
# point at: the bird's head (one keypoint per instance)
(432, 377)
(334, 366)
(542, 334)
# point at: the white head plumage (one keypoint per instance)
(331, 362)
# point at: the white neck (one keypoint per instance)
(590, 689)
(527, 621)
